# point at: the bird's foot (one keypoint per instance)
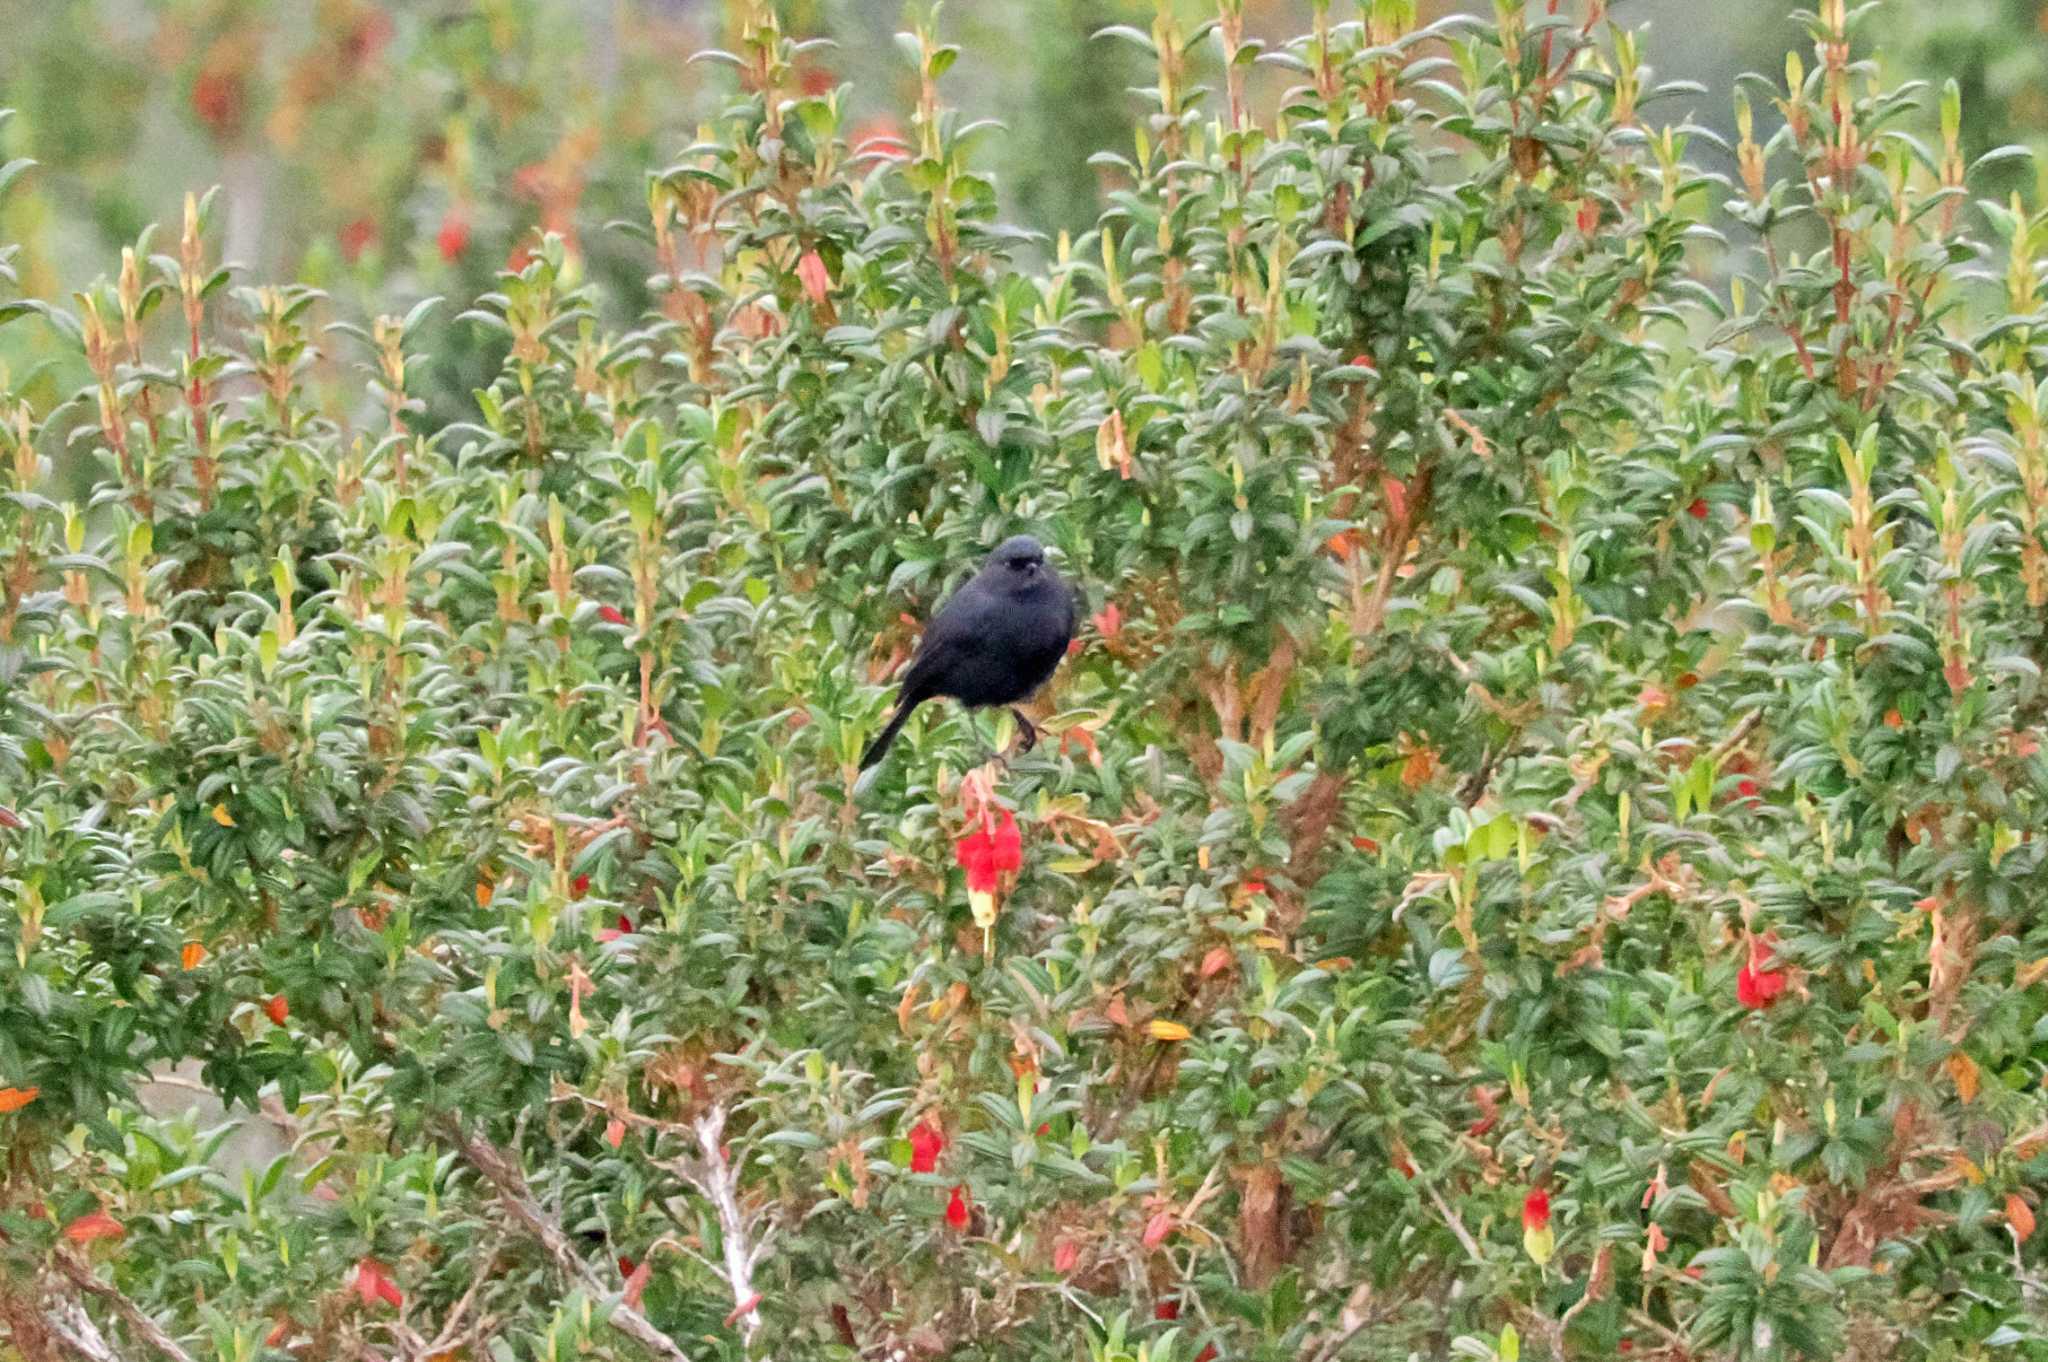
(1027, 736)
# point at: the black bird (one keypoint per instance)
(994, 643)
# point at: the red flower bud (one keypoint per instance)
(1698, 509)
(956, 1209)
(579, 887)
(1536, 1210)
(277, 1009)
(611, 614)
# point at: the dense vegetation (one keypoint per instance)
(1534, 854)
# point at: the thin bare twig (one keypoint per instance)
(1735, 739)
(448, 1337)
(81, 1275)
(712, 1174)
(1457, 1225)
(503, 1173)
(71, 1326)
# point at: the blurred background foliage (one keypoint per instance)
(377, 150)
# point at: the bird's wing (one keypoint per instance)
(960, 623)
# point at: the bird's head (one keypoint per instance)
(1020, 560)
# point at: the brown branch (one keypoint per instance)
(81, 1275)
(1270, 685)
(1312, 816)
(1736, 739)
(502, 1172)
(1364, 1308)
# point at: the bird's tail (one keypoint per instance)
(880, 746)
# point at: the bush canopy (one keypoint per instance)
(1536, 851)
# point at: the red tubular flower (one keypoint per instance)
(977, 857)
(815, 278)
(1698, 509)
(880, 137)
(1756, 985)
(277, 1009)
(373, 1283)
(611, 614)
(356, 238)
(989, 851)
(1008, 842)
(1536, 1210)
(1166, 1310)
(91, 1226)
(927, 1142)
(956, 1209)
(453, 238)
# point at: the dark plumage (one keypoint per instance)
(994, 643)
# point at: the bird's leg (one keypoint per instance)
(1027, 736)
(995, 756)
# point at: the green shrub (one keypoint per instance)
(1536, 852)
